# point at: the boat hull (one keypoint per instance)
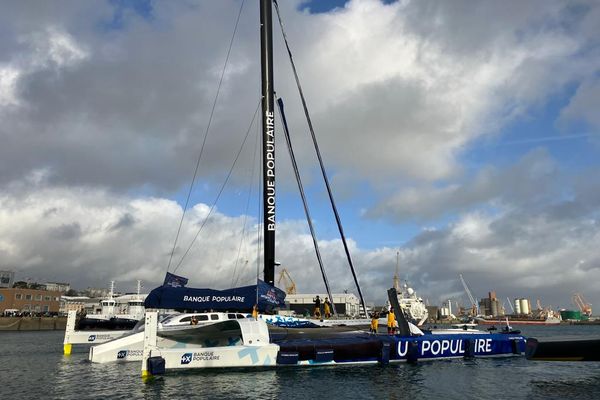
(357, 349)
(563, 350)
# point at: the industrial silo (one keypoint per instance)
(444, 312)
(494, 307)
(517, 307)
(525, 307)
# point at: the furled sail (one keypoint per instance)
(234, 299)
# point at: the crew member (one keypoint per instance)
(255, 312)
(327, 308)
(193, 321)
(374, 322)
(391, 321)
(317, 311)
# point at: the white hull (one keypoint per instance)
(219, 357)
(86, 337)
(129, 346)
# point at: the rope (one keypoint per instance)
(235, 280)
(220, 190)
(288, 140)
(187, 200)
(314, 139)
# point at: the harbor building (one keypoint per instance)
(58, 286)
(346, 304)
(7, 279)
(79, 304)
(23, 300)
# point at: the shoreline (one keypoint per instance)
(32, 323)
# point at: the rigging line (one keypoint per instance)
(314, 139)
(212, 207)
(304, 203)
(212, 111)
(234, 280)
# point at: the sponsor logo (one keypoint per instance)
(217, 299)
(446, 347)
(186, 358)
(270, 296)
(92, 338)
(199, 356)
(270, 169)
(129, 353)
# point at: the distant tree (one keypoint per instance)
(20, 285)
(37, 286)
(72, 292)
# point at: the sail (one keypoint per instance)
(234, 299)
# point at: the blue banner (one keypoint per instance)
(235, 299)
(174, 280)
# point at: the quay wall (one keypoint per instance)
(32, 323)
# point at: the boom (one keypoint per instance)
(471, 298)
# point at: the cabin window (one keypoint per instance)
(186, 319)
(202, 317)
(230, 316)
(239, 316)
(214, 317)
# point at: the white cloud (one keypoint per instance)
(398, 92)
(8, 82)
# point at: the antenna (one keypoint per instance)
(396, 278)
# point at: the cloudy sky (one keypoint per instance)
(463, 136)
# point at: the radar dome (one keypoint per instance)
(410, 291)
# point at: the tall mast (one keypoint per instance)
(268, 127)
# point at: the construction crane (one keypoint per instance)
(288, 282)
(539, 305)
(579, 301)
(474, 306)
(510, 304)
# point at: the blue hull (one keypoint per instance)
(384, 349)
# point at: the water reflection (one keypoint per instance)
(32, 366)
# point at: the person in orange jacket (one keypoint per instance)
(391, 322)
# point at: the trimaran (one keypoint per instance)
(225, 340)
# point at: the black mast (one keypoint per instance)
(268, 126)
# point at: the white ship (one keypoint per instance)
(413, 306)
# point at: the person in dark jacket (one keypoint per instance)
(317, 311)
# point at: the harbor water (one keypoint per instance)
(32, 367)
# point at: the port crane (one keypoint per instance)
(510, 304)
(584, 306)
(288, 282)
(474, 306)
